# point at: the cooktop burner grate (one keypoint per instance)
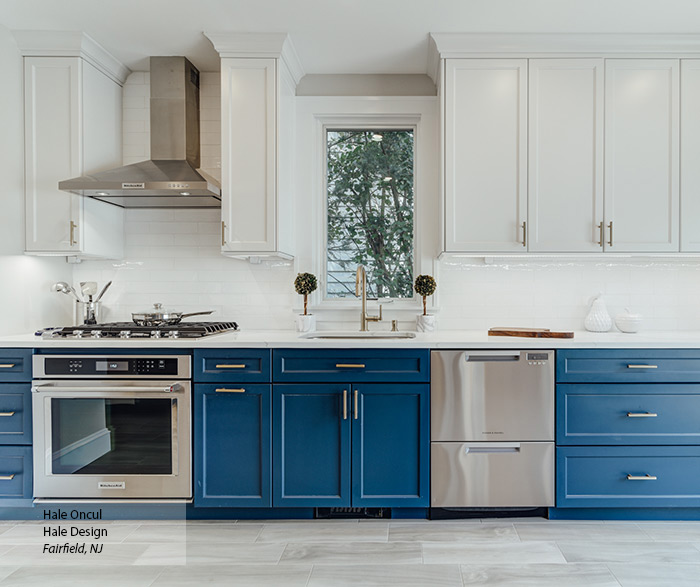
(132, 330)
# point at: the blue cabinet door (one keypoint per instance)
(233, 459)
(311, 445)
(15, 476)
(15, 413)
(390, 445)
(15, 365)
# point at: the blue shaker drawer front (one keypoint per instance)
(15, 413)
(632, 476)
(341, 365)
(15, 365)
(628, 366)
(15, 475)
(628, 414)
(238, 365)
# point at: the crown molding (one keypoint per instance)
(260, 45)
(71, 44)
(448, 45)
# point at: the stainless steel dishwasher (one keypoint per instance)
(492, 428)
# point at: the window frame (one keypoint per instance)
(325, 299)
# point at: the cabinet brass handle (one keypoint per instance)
(230, 366)
(600, 240)
(642, 366)
(7, 414)
(641, 477)
(349, 366)
(226, 390)
(610, 242)
(7, 477)
(345, 404)
(641, 415)
(7, 366)
(356, 410)
(223, 233)
(73, 226)
(524, 234)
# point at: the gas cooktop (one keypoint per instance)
(128, 330)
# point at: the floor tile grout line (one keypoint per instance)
(158, 576)
(607, 566)
(308, 579)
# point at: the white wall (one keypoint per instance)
(26, 302)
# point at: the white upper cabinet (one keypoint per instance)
(641, 155)
(690, 155)
(565, 155)
(72, 120)
(258, 80)
(485, 155)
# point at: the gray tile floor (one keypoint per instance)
(527, 552)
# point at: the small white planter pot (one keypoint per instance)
(306, 323)
(425, 323)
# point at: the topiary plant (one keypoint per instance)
(425, 286)
(304, 284)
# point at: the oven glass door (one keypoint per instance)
(104, 436)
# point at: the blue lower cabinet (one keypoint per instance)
(15, 413)
(390, 445)
(233, 459)
(628, 476)
(311, 445)
(15, 476)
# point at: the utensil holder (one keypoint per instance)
(88, 312)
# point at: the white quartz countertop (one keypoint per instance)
(443, 339)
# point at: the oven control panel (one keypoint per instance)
(106, 366)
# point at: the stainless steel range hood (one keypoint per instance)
(171, 178)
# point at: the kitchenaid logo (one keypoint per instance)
(111, 485)
(133, 186)
(492, 432)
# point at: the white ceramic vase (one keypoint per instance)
(306, 323)
(425, 323)
(598, 318)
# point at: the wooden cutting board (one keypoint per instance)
(529, 332)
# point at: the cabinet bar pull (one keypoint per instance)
(349, 366)
(356, 410)
(600, 228)
(524, 234)
(73, 226)
(345, 404)
(642, 366)
(610, 242)
(7, 366)
(230, 366)
(7, 477)
(225, 390)
(7, 414)
(223, 232)
(641, 415)
(641, 477)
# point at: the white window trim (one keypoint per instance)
(314, 116)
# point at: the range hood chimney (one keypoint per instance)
(171, 178)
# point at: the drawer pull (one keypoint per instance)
(226, 390)
(230, 366)
(641, 477)
(7, 477)
(349, 366)
(7, 366)
(641, 415)
(7, 414)
(642, 366)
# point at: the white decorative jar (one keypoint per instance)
(628, 322)
(425, 323)
(598, 318)
(306, 323)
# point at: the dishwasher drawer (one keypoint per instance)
(480, 474)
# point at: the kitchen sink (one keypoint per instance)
(358, 334)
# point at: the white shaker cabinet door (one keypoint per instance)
(485, 155)
(690, 155)
(641, 155)
(249, 154)
(565, 167)
(52, 152)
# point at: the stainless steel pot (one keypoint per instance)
(159, 317)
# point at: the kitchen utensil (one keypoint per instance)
(63, 287)
(529, 332)
(598, 318)
(158, 316)
(88, 312)
(628, 322)
(88, 289)
(104, 289)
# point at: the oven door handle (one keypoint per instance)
(174, 388)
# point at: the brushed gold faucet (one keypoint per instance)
(361, 290)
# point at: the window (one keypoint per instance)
(369, 203)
